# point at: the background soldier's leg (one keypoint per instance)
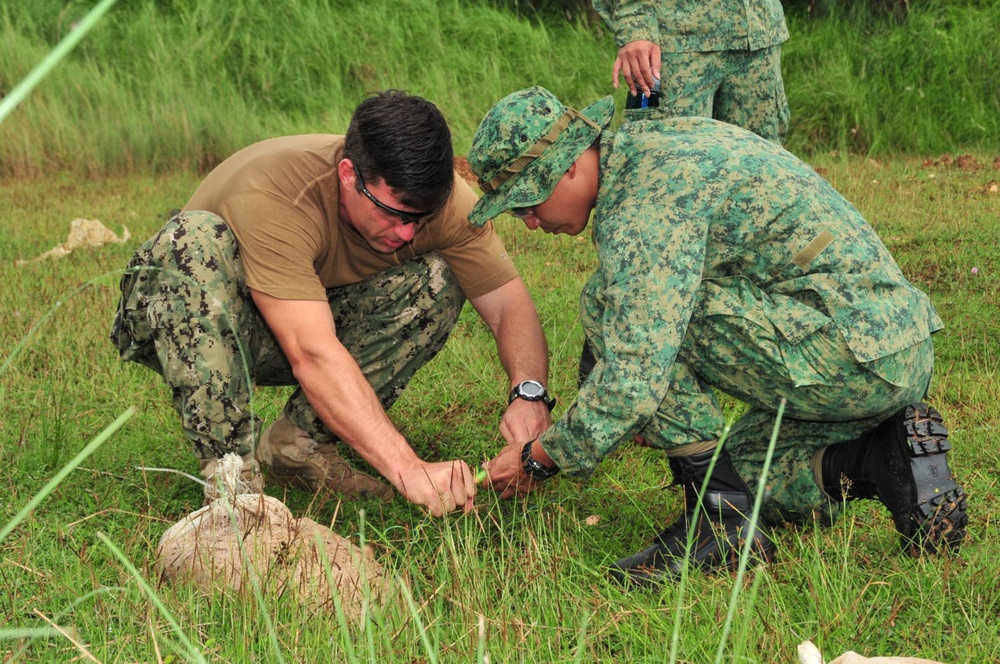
(752, 93)
(687, 86)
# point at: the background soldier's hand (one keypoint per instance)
(639, 63)
(505, 473)
(441, 487)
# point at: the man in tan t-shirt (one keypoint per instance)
(338, 264)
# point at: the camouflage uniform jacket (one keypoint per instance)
(696, 218)
(680, 26)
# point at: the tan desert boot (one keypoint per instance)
(295, 459)
(250, 476)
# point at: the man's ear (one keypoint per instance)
(345, 171)
(571, 171)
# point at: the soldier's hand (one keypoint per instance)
(441, 487)
(505, 473)
(639, 63)
(524, 420)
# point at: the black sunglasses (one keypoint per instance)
(405, 217)
(520, 213)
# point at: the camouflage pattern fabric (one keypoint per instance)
(187, 313)
(521, 128)
(696, 25)
(720, 59)
(725, 261)
(743, 88)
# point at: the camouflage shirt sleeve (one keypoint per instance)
(651, 256)
(630, 20)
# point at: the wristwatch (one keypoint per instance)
(535, 469)
(531, 390)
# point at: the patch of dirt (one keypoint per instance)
(963, 162)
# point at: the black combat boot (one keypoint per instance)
(721, 525)
(902, 463)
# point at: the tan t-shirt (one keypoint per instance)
(280, 199)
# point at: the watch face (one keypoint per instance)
(531, 390)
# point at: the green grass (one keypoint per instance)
(184, 83)
(924, 86)
(152, 89)
(160, 90)
(520, 580)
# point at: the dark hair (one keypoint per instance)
(404, 141)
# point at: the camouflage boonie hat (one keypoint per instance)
(525, 144)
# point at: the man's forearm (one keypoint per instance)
(350, 409)
(510, 313)
(523, 351)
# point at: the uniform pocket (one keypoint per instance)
(176, 339)
(738, 325)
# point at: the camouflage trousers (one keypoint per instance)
(187, 313)
(743, 88)
(830, 398)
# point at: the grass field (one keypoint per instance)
(167, 83)
(515, 581)
(161, 89)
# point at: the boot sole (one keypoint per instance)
(932, 516)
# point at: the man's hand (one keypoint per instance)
(524, 420)
(639, 63)
(505, 473)
(441, 487)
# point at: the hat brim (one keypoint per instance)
(535, 183)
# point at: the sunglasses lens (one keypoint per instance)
(520, 213)
(403, 216)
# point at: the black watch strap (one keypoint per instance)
(534, 468)
(531, 390)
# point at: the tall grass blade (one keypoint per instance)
(481, 639)
(748, 543)
(28, 633)
(99, 440)
(415, 613)
(689, 545)
(193, 653)
(581, 639)
(338, 605)
(20, 91)
(254, 577)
